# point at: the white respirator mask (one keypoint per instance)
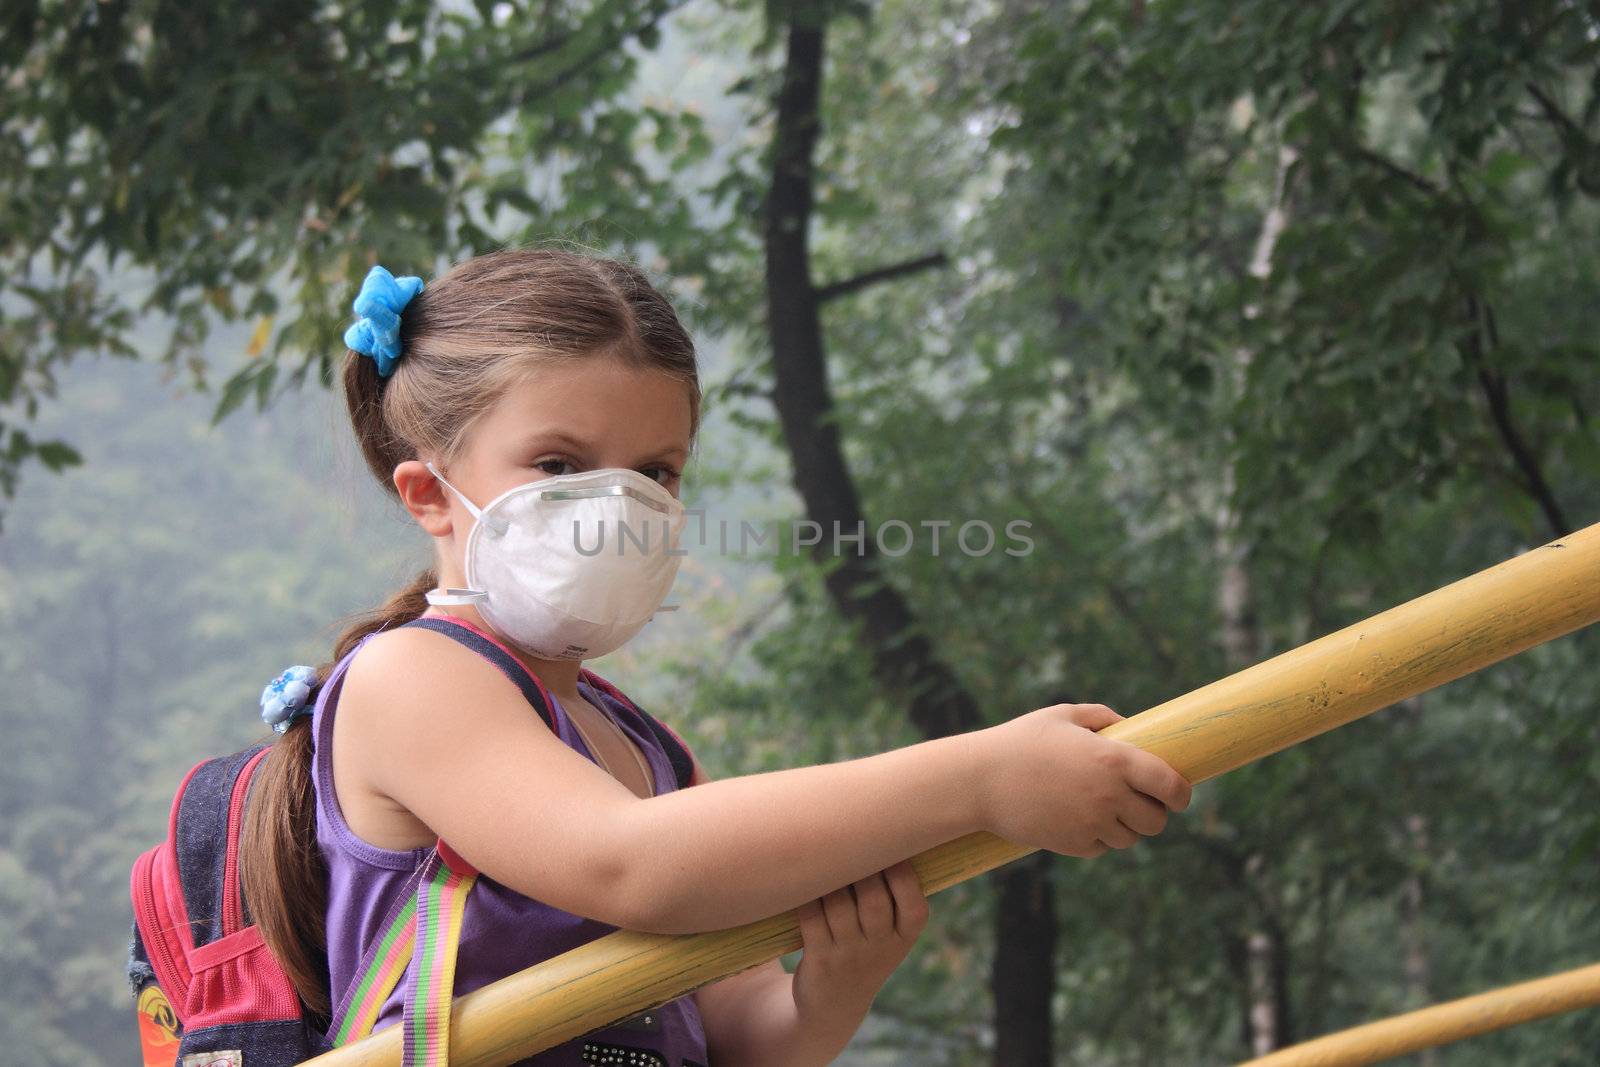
(571, 566)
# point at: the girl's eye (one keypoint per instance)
(664, 475)
(564, 467)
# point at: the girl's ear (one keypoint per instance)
(424, 497)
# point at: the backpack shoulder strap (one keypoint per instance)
(206, 841)
(532, 689)
(234, 915)
(185, 890)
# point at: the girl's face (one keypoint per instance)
(561, 419)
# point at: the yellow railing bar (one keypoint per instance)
(1441, 1024)
(1409, 649)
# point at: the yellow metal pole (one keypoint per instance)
(1441, 1024)
(1406, 650)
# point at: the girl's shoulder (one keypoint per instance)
(432, 666)
(394, 653)
(409, 699)
(392, 663)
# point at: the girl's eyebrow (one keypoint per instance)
(564, 438)
(555, 437)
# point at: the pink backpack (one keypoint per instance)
(208, 992)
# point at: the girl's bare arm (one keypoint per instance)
(429, 724)
(426, 724)
(734, 850)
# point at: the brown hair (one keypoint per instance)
(467, 337)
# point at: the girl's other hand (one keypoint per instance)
(853, 940)
(1054, 784)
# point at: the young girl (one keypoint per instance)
(467, 394)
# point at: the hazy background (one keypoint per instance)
(1267, 317)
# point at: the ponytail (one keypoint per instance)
(280, 867)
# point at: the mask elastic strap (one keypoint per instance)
(491, 524)
(470, 506)
(455, 597)
(446, 597)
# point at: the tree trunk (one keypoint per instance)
(1263, 1004)
(1418, 966)
(935, 700)
(1023, 978)
(1265, 953)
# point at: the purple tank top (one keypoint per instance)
(503, 931)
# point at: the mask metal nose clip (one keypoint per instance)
(606, 490)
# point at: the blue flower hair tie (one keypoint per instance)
(377, 332)
(284, 698)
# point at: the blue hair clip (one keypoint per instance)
(284, 698)
(377, 332)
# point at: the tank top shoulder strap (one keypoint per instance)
(673, 745)
(466, 634)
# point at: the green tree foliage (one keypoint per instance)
(1422, 318)
(250, 162)
(1083, 366)
(145, 599)
(1399, 394)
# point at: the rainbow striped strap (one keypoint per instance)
(380, 971)
(441, 903)
(443, 883)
